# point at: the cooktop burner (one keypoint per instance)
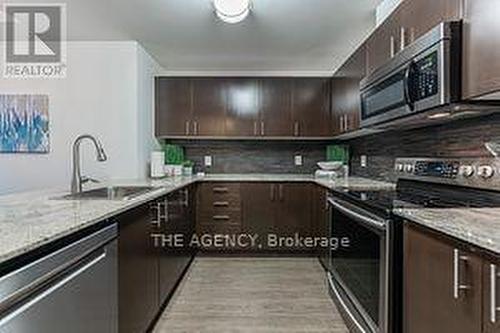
(414, 194)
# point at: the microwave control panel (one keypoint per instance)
(425, 78)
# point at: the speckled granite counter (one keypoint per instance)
(32, 219)
(477, 226)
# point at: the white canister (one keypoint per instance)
(157, 161)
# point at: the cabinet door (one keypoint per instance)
(320, 225)
(137, 271)
(420, 16)
(491, 296)
(276, 106)
(481, 53)
(258, 209)
(384, 42)
(242, 118)
(429, 282)
(311, 107)
(173, 109)
(209, 107)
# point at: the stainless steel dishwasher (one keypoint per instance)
(73, 289)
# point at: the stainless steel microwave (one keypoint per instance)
(425, 75)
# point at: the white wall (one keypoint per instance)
(107, 93)
(385, 9)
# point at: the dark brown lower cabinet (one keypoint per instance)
(442, 285)
(321, 222)
(491, 296)
(137, 271)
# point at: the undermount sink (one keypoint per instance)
(110, 193)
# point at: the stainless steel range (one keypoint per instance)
(365, 278)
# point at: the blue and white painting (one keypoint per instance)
(24, 124)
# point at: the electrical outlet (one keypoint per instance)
(364, 161)
(208, 161)
(298, 160)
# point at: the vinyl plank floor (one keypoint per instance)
(252, 295)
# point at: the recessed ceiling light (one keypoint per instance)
(232, 11)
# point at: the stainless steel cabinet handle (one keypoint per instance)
(393, 46)
(280, 192)
(186, 128)
(220, 217)
(262, 129)
(341, 123)
(403, 38)
(457, 286)
(220, 189)
(493, 293)
(195, 127)
(272, 192)
(221, 204)
(255, 128)
(186, 197)
(296, 129)
(346, 120)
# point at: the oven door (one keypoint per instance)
(359, 272)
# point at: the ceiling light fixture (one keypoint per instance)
(232, 11)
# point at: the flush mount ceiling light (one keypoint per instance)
(232, 11)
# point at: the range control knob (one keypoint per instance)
(485, 171)
(409, 168)
(467, 171)
(399, 167)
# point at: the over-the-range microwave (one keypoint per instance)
(420, 84)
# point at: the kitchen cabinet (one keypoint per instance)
(345, 96)
(276, 107)
(282, 209)
(481, 65)
(175, 218)
(311, 107)
(137, 271)
(491, 314)
(209, 107)
(420, 16)
(173, 107)
(435, 270)
(242, 107)
(242, 118)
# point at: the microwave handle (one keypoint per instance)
(406, 82)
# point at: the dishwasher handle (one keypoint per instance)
(16, 285)
(51, 287)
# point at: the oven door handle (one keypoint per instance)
(380, 225)
(406, 82)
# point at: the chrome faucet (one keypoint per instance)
(78, 180)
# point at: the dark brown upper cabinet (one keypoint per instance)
(311, 107)
(276, 107)
(481, 62)
(242, 107)
(420, 16)
(209, 107)
(173, 107)
(242, 117)
(345, 96)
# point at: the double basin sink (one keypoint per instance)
(110, 193)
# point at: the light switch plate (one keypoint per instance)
(364, 161)
(298, 160)
(208, 160)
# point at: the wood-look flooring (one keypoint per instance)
(252, 295)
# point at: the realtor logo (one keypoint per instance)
(35, 40)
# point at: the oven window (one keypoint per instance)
(358, 266)
(385, 96)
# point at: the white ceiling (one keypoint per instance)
(280, 36)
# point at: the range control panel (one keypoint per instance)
(484, 173)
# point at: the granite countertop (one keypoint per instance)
(477, 226)
(32, 219)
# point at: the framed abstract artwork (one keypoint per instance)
(24, 124)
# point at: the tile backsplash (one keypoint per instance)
(254, 156)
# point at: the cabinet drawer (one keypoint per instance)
(215, 192)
